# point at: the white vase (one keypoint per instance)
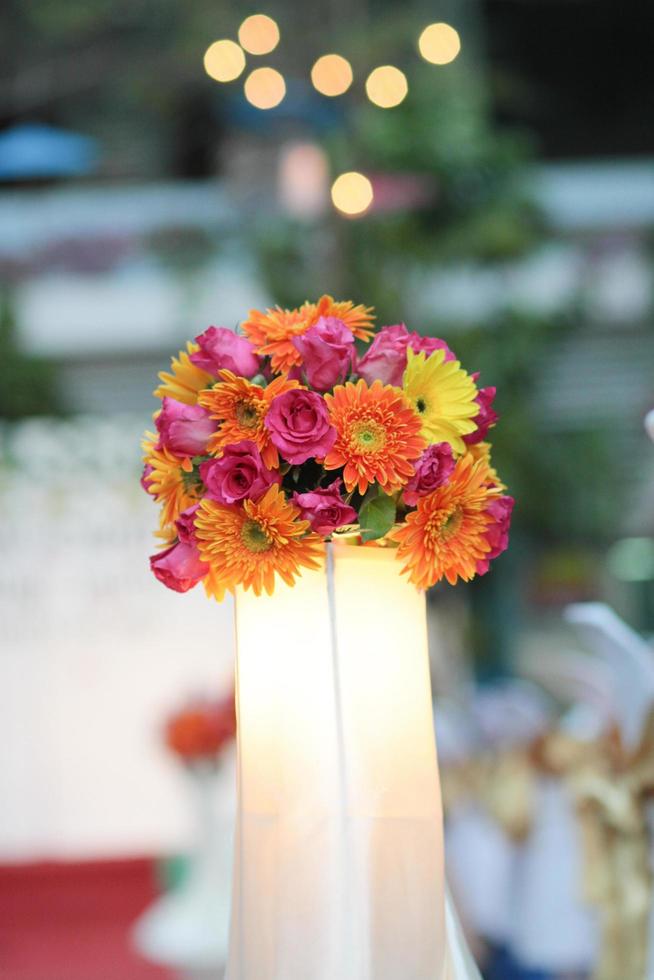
(188, 927)
(339, 847)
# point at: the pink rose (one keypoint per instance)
(497, 533)
(325, 509)
(185, 525)
(485, 418)
(184, 429)
(221, 348)
(327, 350)
(433, 469)
(180, 567)
(385, 359)
(419, 343)
(299, 426)
(238, 474)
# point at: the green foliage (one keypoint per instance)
(377, 515)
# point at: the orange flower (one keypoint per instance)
(378, 435)
(186, 379)
(445, 536)
(482, 450)
(248, 546)
(170, 482)
(241, 407)
(272, 332)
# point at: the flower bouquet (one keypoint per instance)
(307, 426)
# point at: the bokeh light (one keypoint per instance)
(332, 75)
(439, 43)
(352, 193)
(386, 86)
(224, 61)
(265, 88)
(259, 34)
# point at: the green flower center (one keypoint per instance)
(421, 405)
(255, 538)
(246, 415)
(451, 524)
(370, 437)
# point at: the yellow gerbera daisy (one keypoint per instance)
(445, 536)
(444, 395)
(249, 545)
(186, 379)
(168, 482)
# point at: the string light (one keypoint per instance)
(386, 86)
(332, 74)
(439, 43)
(224, 61)
(352, 193)
(259, 34)
(265, 88)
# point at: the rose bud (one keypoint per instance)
(222, 349)
(184, 429)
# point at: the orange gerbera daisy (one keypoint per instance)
(272, 331)
(378, 435)
(186, 379)
(445, 536)
(241, 407)
(249, 545)
(170, 482)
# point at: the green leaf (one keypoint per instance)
(377, 516)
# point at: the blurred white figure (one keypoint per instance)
(552, 928)
(188, 928)
(631, 662)
(481, 856)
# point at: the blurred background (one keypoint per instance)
(480, 169)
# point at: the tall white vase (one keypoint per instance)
(339, 847)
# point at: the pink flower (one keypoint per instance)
(419, 343)
(238, 474)
(180, 567)
(325, 509)
(327, 350)
(185, 525)
(433, 469)
(145, 477)
(485, 418)
(299, 425)
(221, 348)
(386, 357)
(184, 429)
(497, 533)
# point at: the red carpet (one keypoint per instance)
(72, 921)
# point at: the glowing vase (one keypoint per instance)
(339, 854)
